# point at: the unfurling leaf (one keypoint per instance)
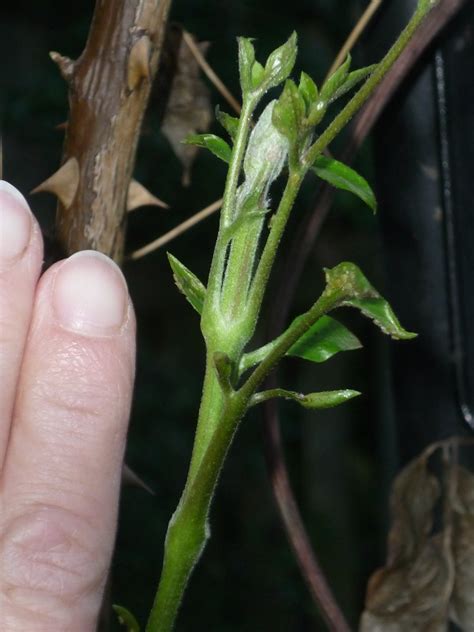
(325, 399)
(214, 143)
(289, 112)
(335, 81)
(352, 79)
(347, 280)
(228, 122)
(280, 63)
(343, 177)
(246, 61)
(308, 90)
(258, 72)
(323, 340)
(126, 618)
(188, 283)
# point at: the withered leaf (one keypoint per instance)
(412, 591)
(414, 495)
(462, 600)
(188, 109)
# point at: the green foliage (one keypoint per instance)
(214, 143)
(126, 618)
(343, 177)
(228, 122)
(256, 79)
(240, 270)
(347, 281)
(288, 117)
(308, 89)
(188, 283)
(314, 401)
(318, 343)
(323, 340)
(335, 81)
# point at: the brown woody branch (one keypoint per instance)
(109, 86)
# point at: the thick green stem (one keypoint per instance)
(188, 528)
(221, 413)
(214, 286)
(278, 225)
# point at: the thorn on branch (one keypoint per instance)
(65, 65)
(139, 62)
(138, 195)
(63, 183)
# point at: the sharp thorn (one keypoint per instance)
(65, 64)
(63, 183)
(138, 195)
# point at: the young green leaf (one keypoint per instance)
(280, 63)
(347, 280)
(214, 143)
(246, 61)
(319, 343)
(188, 283)
(228, 122)
(352, 80)
(343, 177)
(325, 399)
(336, 80)
(323, 340)
(289, 112)
(126, 618)
(308, 90)
(257, 75)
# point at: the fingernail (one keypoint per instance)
(15, 223)
(90, 295)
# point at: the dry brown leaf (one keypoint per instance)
(462, 600)
(414, 495)
(412, 591)
(188, 110)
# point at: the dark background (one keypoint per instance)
(341, 461)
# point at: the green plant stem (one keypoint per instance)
(326, 302)
(212, 305)
(188, 529)
(278, 224)
(220, 414)
(369, 86)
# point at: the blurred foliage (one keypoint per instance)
(248, 579)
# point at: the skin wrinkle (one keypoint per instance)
(29, 556)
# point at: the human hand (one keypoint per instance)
(67, 351)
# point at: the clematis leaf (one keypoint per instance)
(323, 340)
(348, 280)
(188, 283)
(343, 177)
(214, 143)
(324, 399)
